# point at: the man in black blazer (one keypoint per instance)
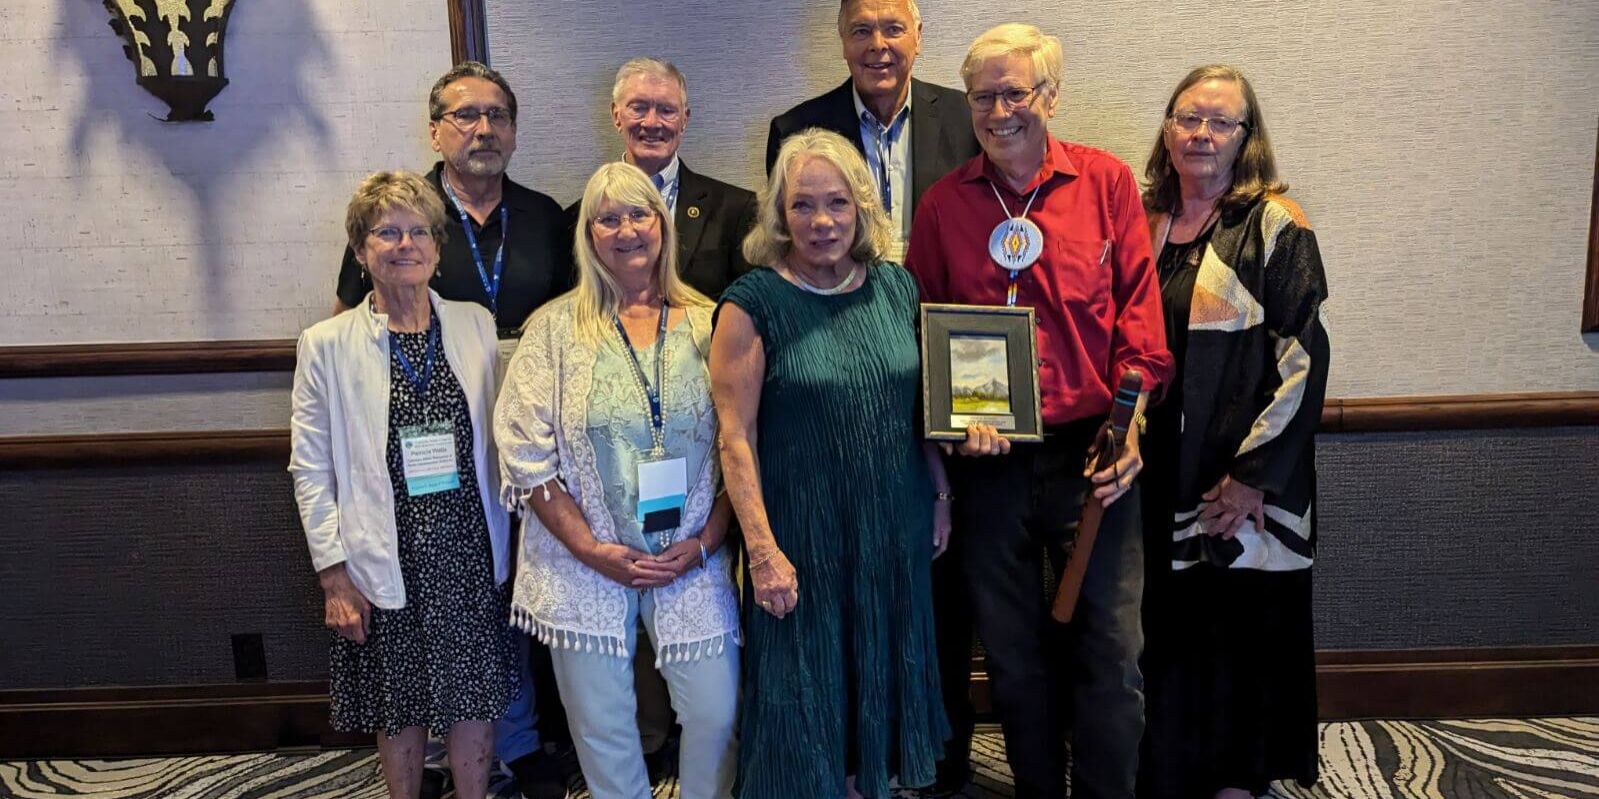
(649, 106)
(881, 39)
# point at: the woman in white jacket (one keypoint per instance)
(607, 435)
(396, 486)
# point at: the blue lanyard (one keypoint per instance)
(491, 286)
(419, 383)
(652, 394)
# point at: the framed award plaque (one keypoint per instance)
(980, 366)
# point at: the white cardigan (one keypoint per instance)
(339, 435)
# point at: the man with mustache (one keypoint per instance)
(649, 107)
(507, 248)
(911, 132)
(472, 125)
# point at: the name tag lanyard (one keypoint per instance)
(491, 285)
(419, 382)
(1015, 243)
(652, 394)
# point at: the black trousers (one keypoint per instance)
(1051, 683)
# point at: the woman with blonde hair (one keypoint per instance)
(607, 439)
(395, 478)
(815, 369)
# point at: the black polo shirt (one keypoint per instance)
(538, 264)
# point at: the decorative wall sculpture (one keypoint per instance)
(176, 50)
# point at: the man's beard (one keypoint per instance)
(482, 164)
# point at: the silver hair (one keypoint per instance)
(843, 6)
(1015, 38)
(665, 70)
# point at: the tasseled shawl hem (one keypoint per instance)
(616, 646)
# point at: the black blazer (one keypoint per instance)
(941, 130)
(712, 219)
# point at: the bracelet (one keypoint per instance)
(943, 496)
(762, 562)
(705, 559)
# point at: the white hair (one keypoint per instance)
(1015, 38)
(634, 67)
(843, 6)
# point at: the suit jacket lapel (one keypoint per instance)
(930, 145)
(692, 194)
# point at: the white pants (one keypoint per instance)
(602, 710)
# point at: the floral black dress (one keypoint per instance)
(446, 656)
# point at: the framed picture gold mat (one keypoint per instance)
(980, 366)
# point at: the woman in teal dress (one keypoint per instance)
(815, 374)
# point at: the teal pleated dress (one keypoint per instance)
(847, 684)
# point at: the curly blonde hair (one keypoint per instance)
(771, 241)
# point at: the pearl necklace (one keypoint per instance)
(827, 292)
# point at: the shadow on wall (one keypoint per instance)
(274, 50)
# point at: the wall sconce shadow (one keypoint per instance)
(176, 50)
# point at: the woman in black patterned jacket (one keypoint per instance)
(1230, 455)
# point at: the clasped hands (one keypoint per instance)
(1225, 507)
(634, 569)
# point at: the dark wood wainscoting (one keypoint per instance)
(102, 722)
(1387, 414)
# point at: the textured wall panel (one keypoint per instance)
(140, 576)
(1444, 150)
(1458, 539)
(64, 405)
(135, 229)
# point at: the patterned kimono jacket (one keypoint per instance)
(1254, 377)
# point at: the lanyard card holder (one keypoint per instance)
(427, 453)
(662, 492)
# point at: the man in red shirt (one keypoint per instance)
(1097, 299)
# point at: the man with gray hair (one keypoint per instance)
(911, 132)
(507, 247)
(649, 107)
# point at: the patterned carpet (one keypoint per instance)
(1527, 759)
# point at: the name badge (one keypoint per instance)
(427, 452)
(662, 491)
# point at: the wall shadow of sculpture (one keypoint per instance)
(275, 52)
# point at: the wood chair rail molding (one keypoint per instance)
(1386, 414)
(147, 358)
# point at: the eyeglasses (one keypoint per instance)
(639, 109)
(1014, 98)
(1220, 127)
(466, 118)
(639, 218)
(392, 236)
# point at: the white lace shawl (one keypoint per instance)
(539, 426)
